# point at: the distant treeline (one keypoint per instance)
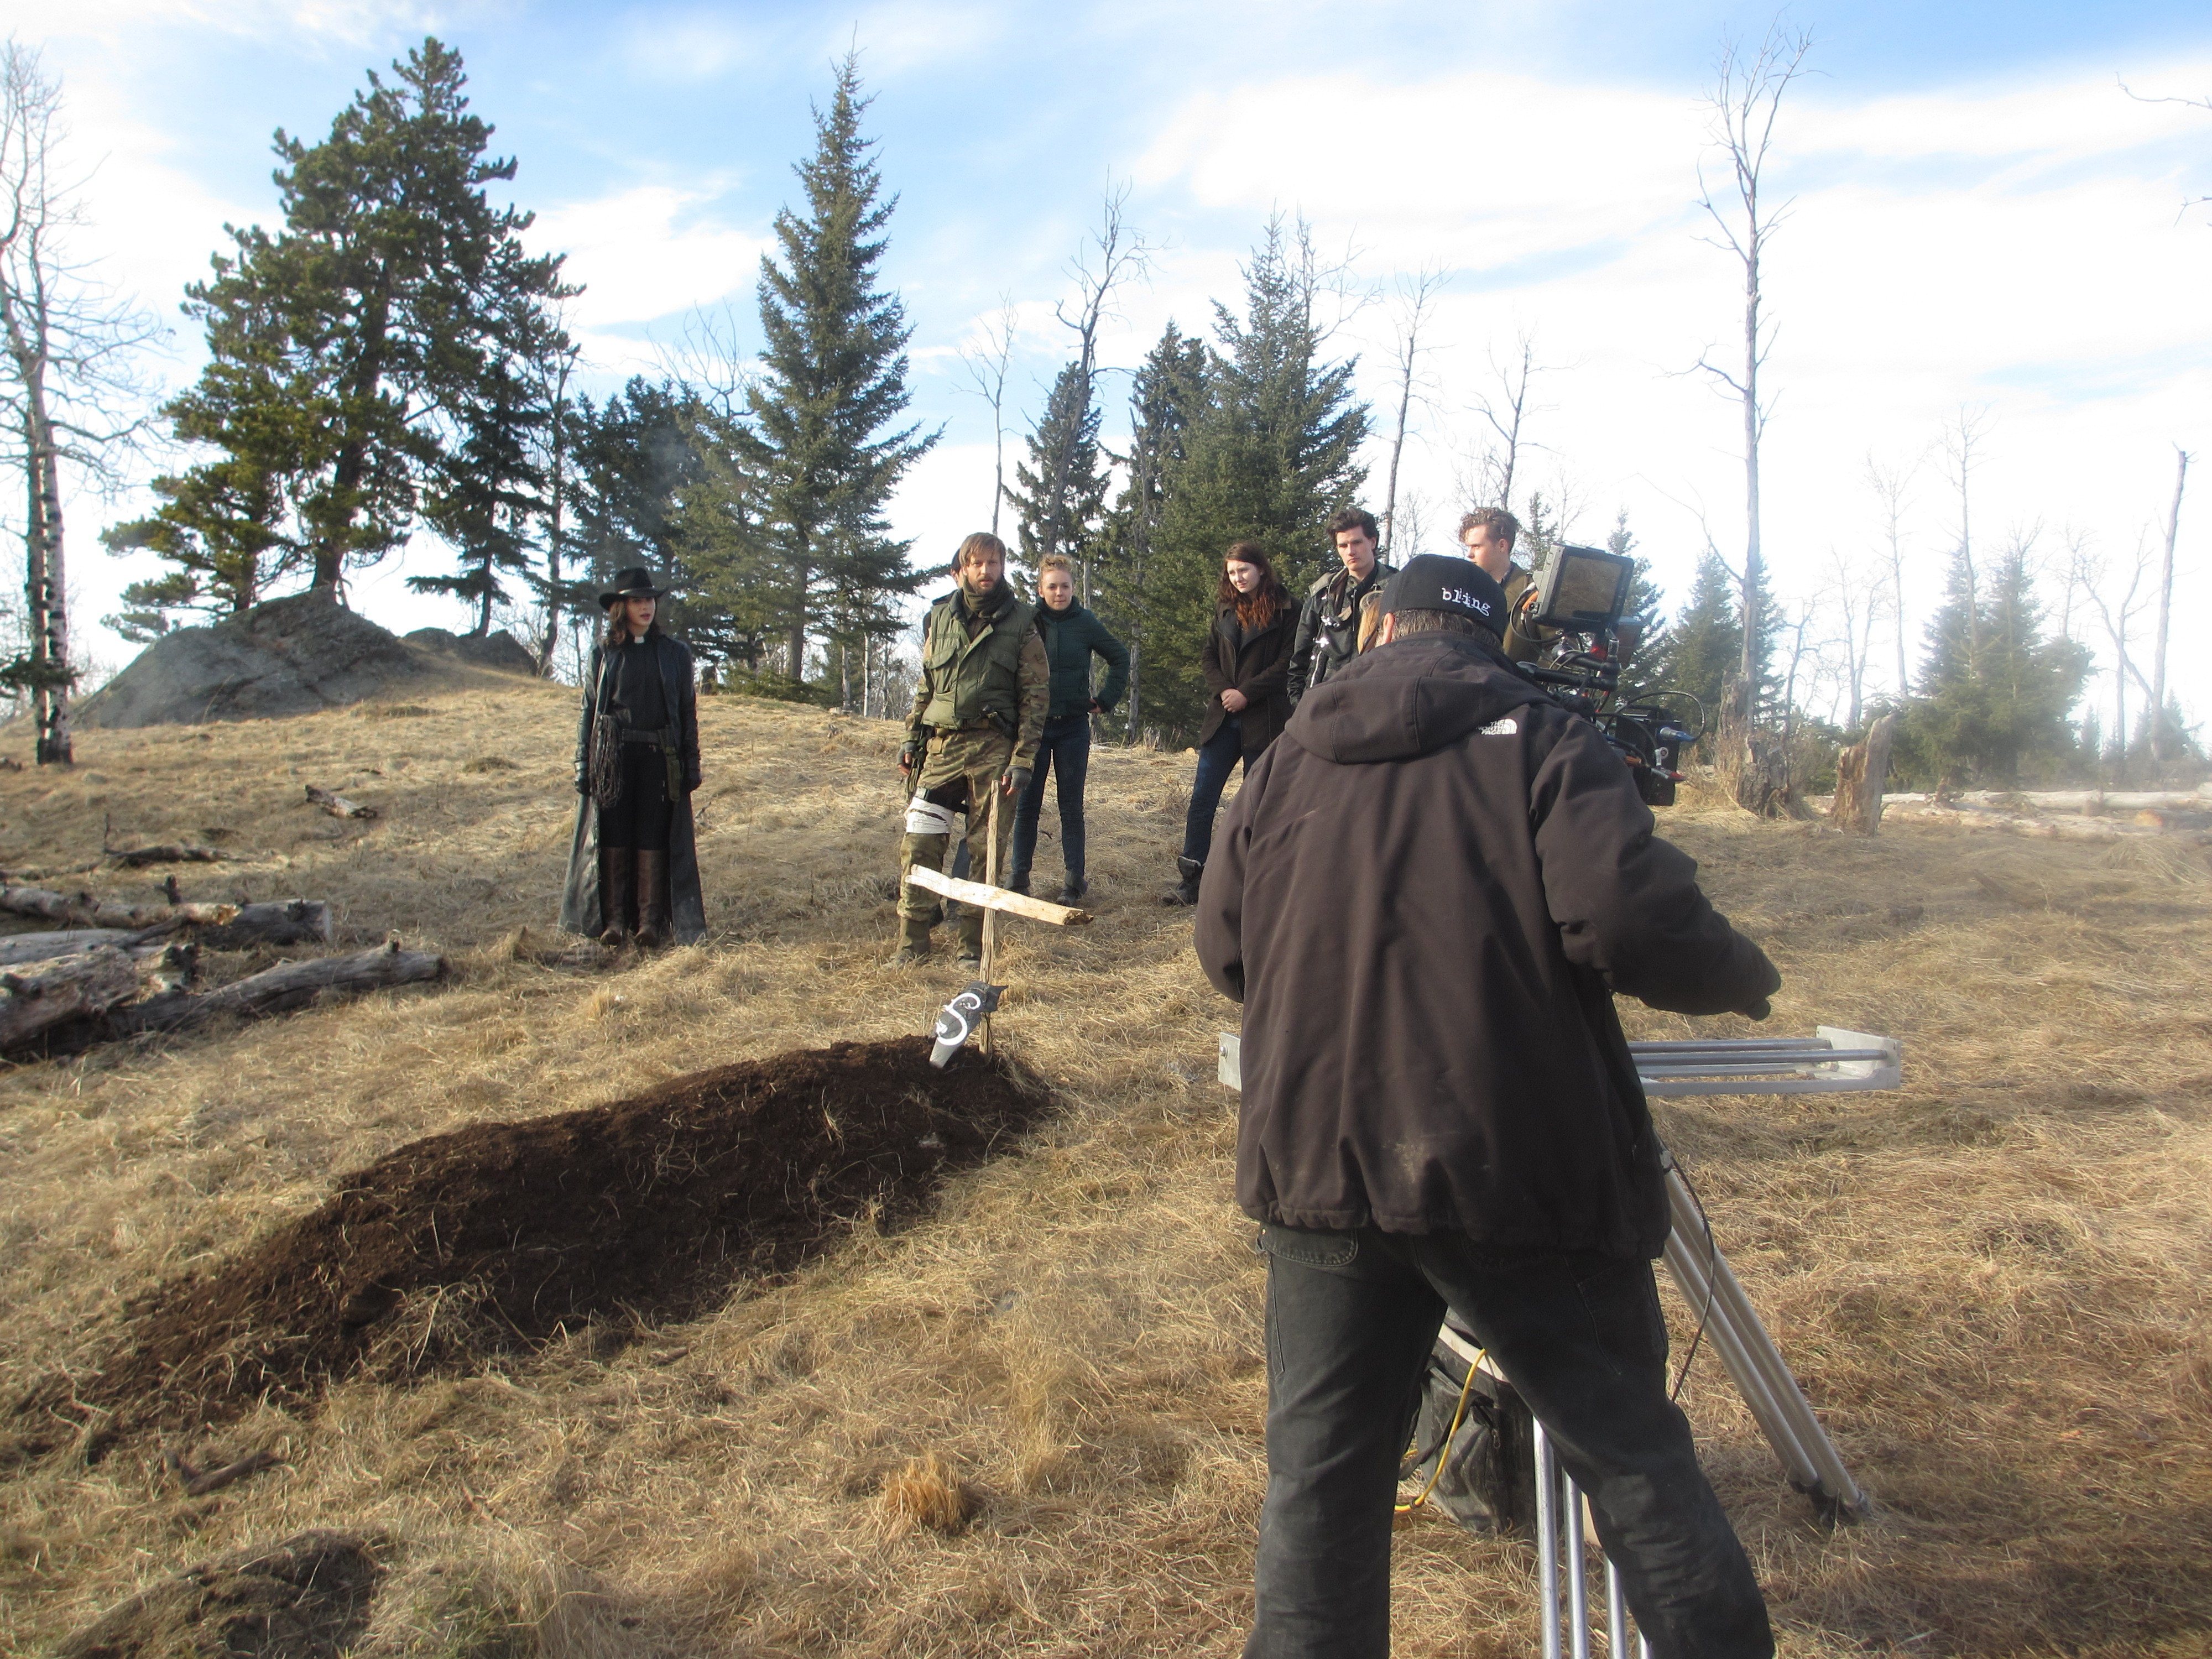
(391, 357)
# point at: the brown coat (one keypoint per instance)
(1260, 667)
(1426, 895)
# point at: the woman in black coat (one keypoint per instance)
(633, 865)
(1247, 660)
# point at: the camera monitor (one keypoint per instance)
(1584, 590)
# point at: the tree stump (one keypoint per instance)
(1749, 764)
(1861, 770)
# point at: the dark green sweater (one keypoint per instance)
(1070, 637)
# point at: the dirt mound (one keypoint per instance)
(649, 1209)
(292, 656)
(499, 649)
(306, 1598)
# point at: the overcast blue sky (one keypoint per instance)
(1983, 218)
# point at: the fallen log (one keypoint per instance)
(71, 987)
(1974, 818)
(274, 922)
(277, 990)
(218, 927)
(20, 948)
(169, 853)
(82, 910)
(337, 806)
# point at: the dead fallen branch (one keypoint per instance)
(1973, 818)
(83, 911)
(198, 1483)
(274, 922)
(337, 806)
(137, 858)
(20, 948)
(92, 922)
(280, 989)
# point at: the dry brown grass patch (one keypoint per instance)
(1993, 1281)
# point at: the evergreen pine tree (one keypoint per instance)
(1702, 645)
(334, 346)
(1166, 390)
(1996, 694)
(833, 376)
(1271, 451)
(1059, 497)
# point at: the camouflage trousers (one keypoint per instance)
(959, 769)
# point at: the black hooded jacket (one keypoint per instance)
(1436, 1048)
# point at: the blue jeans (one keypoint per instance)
(1064, 750)
(1351, 1318)
(1217, 759)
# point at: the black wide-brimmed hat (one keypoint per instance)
(633, 584)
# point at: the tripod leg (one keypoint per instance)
(1817, 1466)
(1578, 1621)
(1547, 1540)
(1616, 1612)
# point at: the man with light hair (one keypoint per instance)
(970, 734)
(1488, 534)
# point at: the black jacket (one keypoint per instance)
(1328, 626)
(1257, 665)
(1435, 1047)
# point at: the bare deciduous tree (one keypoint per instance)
(2117, 607)
(1746, 97)
(70, 392)
(1857, 607)
(1416, 301)
(1508, 411)
(1962, 441)
(2165, 599)
(1110, 256)
(1892, 485)
(986, 362)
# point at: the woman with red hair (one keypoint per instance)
(1247, 659)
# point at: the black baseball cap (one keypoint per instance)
(1433, 582)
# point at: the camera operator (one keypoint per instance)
(1329, 628)
(1488, 534)
(1440, 1109)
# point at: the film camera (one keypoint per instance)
(1582, 594)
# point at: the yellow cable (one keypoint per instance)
(1459, 1416)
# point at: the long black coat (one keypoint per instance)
(1424, 895)
(1260, 667)
(579, 894)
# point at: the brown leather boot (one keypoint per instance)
(617, 895)
(651, 900)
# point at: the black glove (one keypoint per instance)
(1017, 780)
(1759, 1010)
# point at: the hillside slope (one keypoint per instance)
(1993, 1282)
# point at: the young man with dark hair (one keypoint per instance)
(1440, 1109)
(1328, 632)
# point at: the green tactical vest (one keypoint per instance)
(969, 676)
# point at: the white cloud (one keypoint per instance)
(648, 252)
(2043, 274)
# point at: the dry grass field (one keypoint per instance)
(1028, 1423)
